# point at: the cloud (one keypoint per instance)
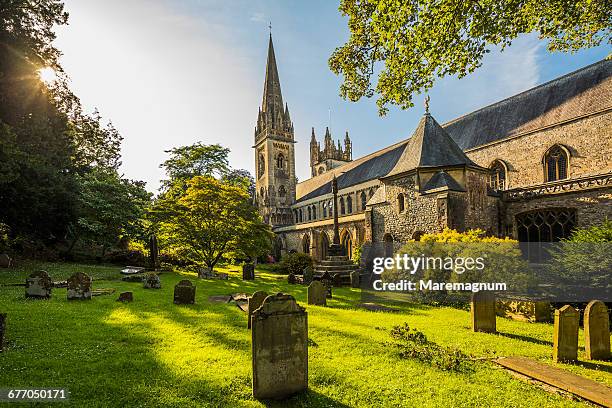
(258, 17)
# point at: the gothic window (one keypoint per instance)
(400, 202)
(324, 210)
(280, 161)
(342, 207)
(497, 176)
(548, 225)
(314, 212)
(296, 216)
(364, 200)
(309, 213)
(261, 168)
(349, 204)
(281, 191)
(556, 162)
(331, 208)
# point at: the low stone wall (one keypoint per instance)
(524, 309)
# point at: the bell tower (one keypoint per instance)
(274, 151)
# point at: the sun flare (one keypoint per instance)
(47, 75)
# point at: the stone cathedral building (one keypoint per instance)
(533, 167)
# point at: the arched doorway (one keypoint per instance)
(306, 243)
(347, 243)
(388, 245)
(324, 245)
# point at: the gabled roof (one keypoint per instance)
(578, 93)
(442, 181)
(430, 146)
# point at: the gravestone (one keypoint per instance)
(279, 348)
(565, 338)
(254, 302)
(248, 271)
(317, 294)
(5, 261)
(151, 281)
(483, 312)
(2, 330)
(79, 287)
(291, 279)
(596, 331)
(355, 279)
(184, 293)
(308, 275)
(326, 280)
(38, 285)
(337, 279)
(126, 297)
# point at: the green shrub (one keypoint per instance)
(295, 263)
(357, 254)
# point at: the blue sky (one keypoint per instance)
(170, 73)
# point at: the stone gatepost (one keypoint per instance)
(38, 285)
(597, 331)
(280, 348)
(184, 293)
(2, 330)
(254, 302)
(483, 312)
(79, 287)
(317, 294)
(248, 271)
(565, 338)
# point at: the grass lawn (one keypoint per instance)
(154, 353)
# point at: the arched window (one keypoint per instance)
(349, 204)
(301, 215)
(281, 191)
(261, 193)
(400, 202)
(296, 216)
(364, 200)
(314, 212)
(309, 213)
(342, 207)
(261, 166)
(497, 176)
(556, 162)
(280, 161)
(324, 210)
(330, 205)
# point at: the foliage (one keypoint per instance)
(357, 252)
(241, 178)
(186, 162)
(4, 237)
(419, 41)
(413, 344)
(295, 263)
(211, 219)
(126, 257)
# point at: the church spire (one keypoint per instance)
(272, 97)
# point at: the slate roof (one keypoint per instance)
(442, 181)
(578, 93)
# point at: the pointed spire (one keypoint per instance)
(313, 138)
(347, 138)
(327, 134)
(272, 96)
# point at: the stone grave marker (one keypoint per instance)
(5, 261)
(565, 338)
(151, 281)
(254, 302)
(2, 330)
(596, 331)
(483, 312)
(126, 297)
(184, 293)
(317, 294)
(248, 271)
(38, 285)
(326, 280)
(337, 279)
(279, 348)
(291, 279)
(79, 287)
(308, 275)
(355, 279)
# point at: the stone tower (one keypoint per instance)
(331, 156)
(274, 151)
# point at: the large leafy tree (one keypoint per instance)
(186, 162)
(411, 43)
(212, 218)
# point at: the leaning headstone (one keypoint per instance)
(151, 281)
(79, 287)
(317, 294)
(565, 339)
(248, 271)
(326, 280)
(483, 312)
(254, 302)
(126, 297)
(184, 293)
(291, 279)
(5, 261)
(279, 348)
(2, 330)
(38, 285)
(596, 331)
(355, 279)
(308, 275)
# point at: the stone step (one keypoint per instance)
(331, 268)
(337, 258)
(332, 263)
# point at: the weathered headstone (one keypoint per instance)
(308, 275)
(254, 302)
(337, 279)
(326, 280)
(596, 331)
(5, 261)
(38, 285)
(317, 294)
(483, 312)
(248, 271)
(126, 297)
(184, 293)
(291, 279)
(79, 287)
(151, 281)
(2, 330)
(279, 348)
(355, 279)
(565, 338)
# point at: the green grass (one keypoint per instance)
(154, 353)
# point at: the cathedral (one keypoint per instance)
(532, 167)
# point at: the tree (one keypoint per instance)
(210, 219)
(241, 178)
(186, 162)
(421, 40)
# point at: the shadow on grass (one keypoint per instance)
(307, 398)
(525, 338)
(593, 366)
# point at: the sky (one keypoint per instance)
(170, 73)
